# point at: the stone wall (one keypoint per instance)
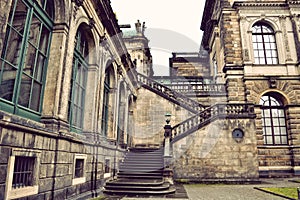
(149, 116)
(57, 153)
(189, 68)
(211, 154)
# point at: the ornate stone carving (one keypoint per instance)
(272, 82)
(285, 37)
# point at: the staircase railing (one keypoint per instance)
(170, 94)
(197, 88)
(198, 121)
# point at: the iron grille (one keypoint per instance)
(23, 172)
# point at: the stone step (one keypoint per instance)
(143, 192)
(140, 176)
(141, 164)
(145, 169)
(164, 186)
(140, 173)
(144, 149)
(142, 161)
(136, 182)
(135, 173)
(143, 156)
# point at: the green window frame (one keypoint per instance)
(105, 110)
(24, 57)
(78, 82)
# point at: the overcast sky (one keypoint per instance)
(172, 26)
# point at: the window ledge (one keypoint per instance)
(80, 180)
(23, 192)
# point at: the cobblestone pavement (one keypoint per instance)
(232, 192)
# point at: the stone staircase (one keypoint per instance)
(140, 174)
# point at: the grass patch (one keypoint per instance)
(289, 192)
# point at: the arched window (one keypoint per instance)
(23, 61)
(264, 44)
(78, 81)
(273, 120)
(105, 109)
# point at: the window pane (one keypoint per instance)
(267, 121)
(19, 18)
(7, 81)
(36, 96)
(34, 31)
(283, 140)
(277, 139)
(266, 113)
(79, 168)
(268, 53)
(283, 130)
(276, 130)
(275, 122)
(268, 130)
(30, 60)
(43, 46)
(25, 88)
(13, 48)
(38, 75)
(282, 121)
(269, 140)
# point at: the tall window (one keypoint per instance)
(273, 120)
(78, 82)
(264, 44)
(23, 61)
(105, 109)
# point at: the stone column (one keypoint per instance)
(52, 97)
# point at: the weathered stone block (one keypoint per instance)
(63, 182)
(3, 173)
(38, 143)
(29, 140)
(60, 194)
(12, 137)
(62, 169)
(48, 157)
(5, 153)
(63, 145)
(45, 185)
(65, 157)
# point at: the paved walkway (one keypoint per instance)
(232, 192)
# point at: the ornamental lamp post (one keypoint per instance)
(167, 134)
(168, 172)
(167, 127)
